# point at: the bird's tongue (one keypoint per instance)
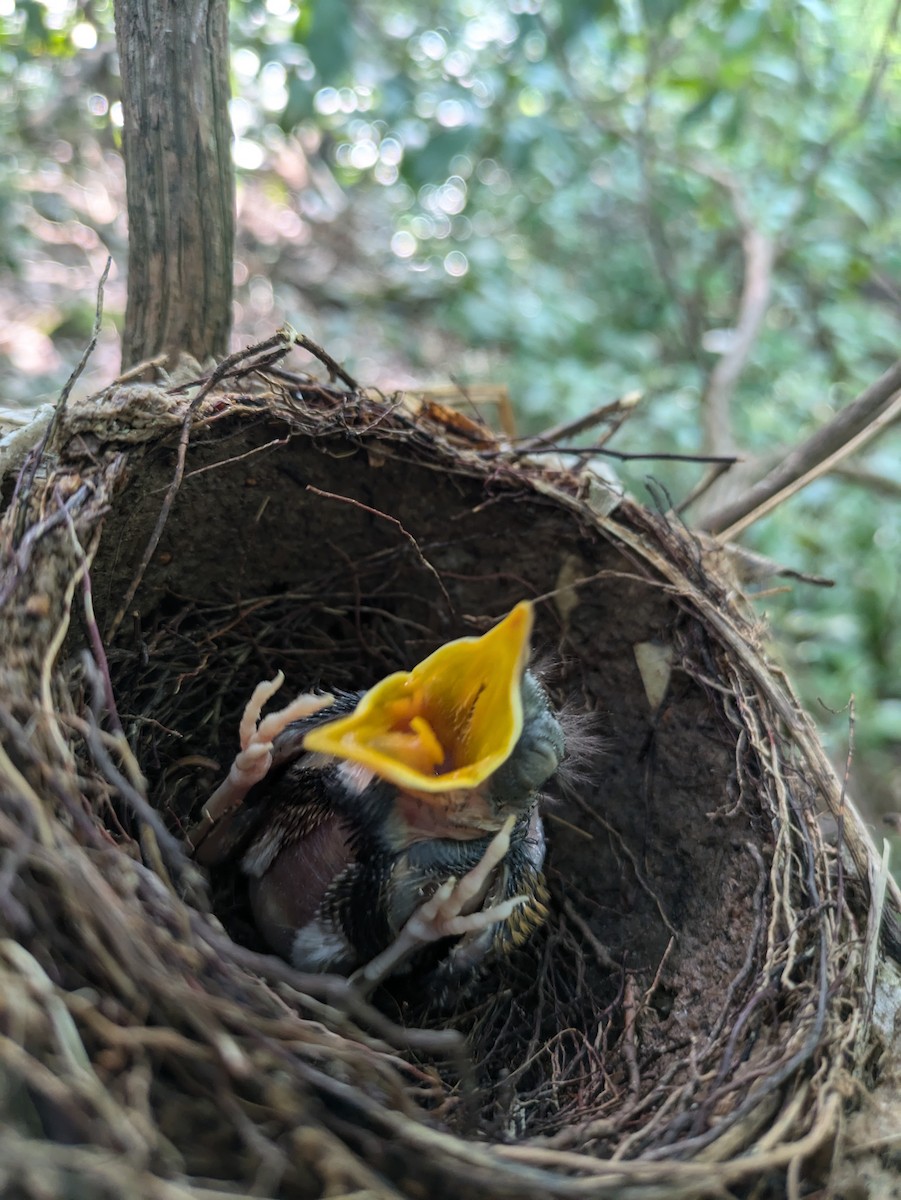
(412, 740)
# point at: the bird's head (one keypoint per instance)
(449, 723)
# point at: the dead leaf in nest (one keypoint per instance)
(600, 496)
(655, 665)
(458, 423)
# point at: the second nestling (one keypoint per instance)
(371, 824)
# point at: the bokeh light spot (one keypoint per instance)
(456, 263)
(403, 244)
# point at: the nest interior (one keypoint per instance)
(691, 987)
(386, 559)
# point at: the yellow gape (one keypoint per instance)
(447, 724)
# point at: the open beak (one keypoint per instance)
(447, 724)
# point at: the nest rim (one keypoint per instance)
(667, 558)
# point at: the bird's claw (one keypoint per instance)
(445, 914)
(254, 731)
(450, 921)
(253, 760)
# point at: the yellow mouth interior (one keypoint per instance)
(450, 722)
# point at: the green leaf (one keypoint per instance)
(851, 193)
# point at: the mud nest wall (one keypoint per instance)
(690, 1020)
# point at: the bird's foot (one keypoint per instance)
(448, 913)
(254, 759)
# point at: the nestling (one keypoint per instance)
(373, 823)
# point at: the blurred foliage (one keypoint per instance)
(550, 194)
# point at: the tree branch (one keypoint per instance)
(856, 419)
(759, 251)
(871, 481)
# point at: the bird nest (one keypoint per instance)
(687, 1023)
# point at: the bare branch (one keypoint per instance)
(872, 481)
(857, 422)
(759, 252)
(613, 411)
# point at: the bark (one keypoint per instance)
(180, 181)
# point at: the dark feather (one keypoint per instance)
(348, 862)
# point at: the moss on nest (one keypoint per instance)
(690, 1020)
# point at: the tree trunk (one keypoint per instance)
(180, 182)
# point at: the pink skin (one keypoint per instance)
(254, 759)
(448, 913)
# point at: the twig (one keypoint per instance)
(630, 1052)
(97, 647)
(758, 908)
(335, 370)
(751, 567)
(825, 153)
(840, 818)
(169, 845)
(393, 521)
(704, 484)
(605, 412)
(879, 877)
(881, 485)
(622, 455)
(602, 954)
(477, 396)
(17, 782)
(33, 535)
(759, 252)
(645, 146)
(137, 371)
(788, 479)
(227, 462)
(335, 991)
(658, 974)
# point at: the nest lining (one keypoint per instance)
(694, 990)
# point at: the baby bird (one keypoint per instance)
(371, 824)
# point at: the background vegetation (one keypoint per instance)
(698, 201)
